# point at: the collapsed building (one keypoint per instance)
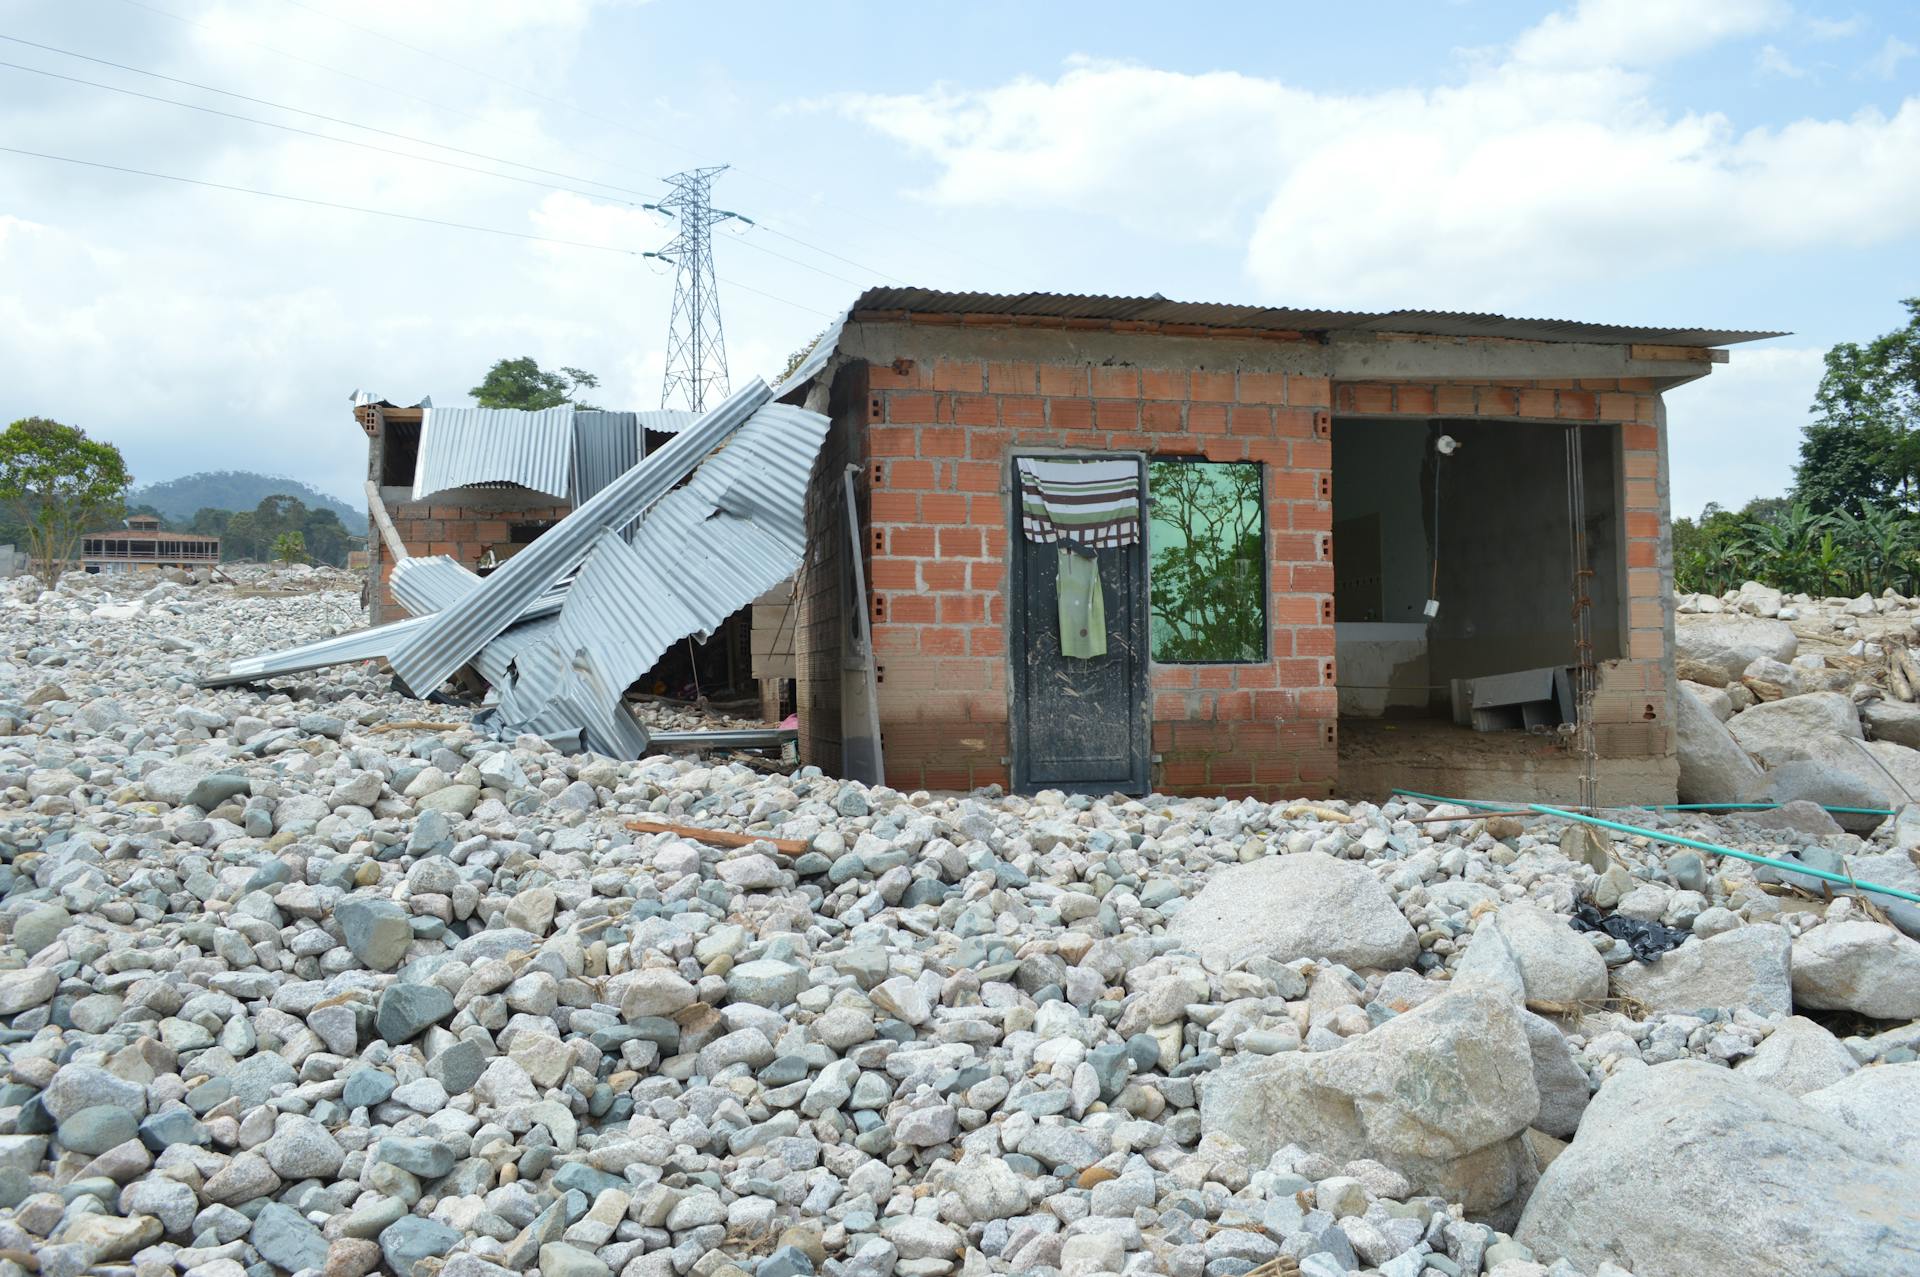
(1112, 544)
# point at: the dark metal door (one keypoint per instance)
(1078, 724)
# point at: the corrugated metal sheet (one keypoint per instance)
(344, 649)
(455, 636)
(666, 421)
(428, 583)
(464, 446)
(605, 446)
(703, 552)
(1439, 323)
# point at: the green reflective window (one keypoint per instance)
(1206, 535)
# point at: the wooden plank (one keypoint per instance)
(378, 509)
(1682, 354)
(719, 837)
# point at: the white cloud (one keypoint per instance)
(1637, 33)
(1550, 167)
(1834, 28)
(1886, 63)
(1735, 435)
(1772, 61)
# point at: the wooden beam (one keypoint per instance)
(1680, 354)
(378, 509)
(719, 837)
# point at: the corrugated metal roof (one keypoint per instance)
(455, 636)
(605, 446)
(703, 552)
(464, 446)
(1158, 310)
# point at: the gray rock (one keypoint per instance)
(376, 931)
(1713, 765)
(1685, 1168)
(1895, 721)
(1797, 1057)
(407, 1241)
(1856, 965)
(1439, 1094)
(557, 1259)
(1778, 731)
(1541, 951)
(1746, 967)
(38, 928)
(1562, 1084)
(84, 1086)
(301, 1148)
(286, 1240)
(1296, 906)
(416, 1155)
(1729, 645)
(95, 1130)
(766, 982)
(1882, 1103)
(25, 988)
(407, 1010)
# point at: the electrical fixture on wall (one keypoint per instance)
(1444, 446)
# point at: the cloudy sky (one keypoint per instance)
(1731, 163)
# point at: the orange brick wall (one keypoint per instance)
(940, 434)
(461, 530)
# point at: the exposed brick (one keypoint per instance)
(895, 507)
(941, 507)
(909, 476)
(1245, 419)
(1206, 419)
(962, 543)
(1414, 399)
(1020, 378)
(913, 407)
(1063, 379)
(1163, 383)
(1070, 414)
(1212, 387)
(958, 374)
(1536, 403)
(943, 443)
(976, 410)
(1116, 414)
(943, 574)
(1110, 382)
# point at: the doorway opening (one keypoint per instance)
(1453, 562)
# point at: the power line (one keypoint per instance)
(386, 212)
(318, 115)
(384, 150)
(595, 115)
(324, 137)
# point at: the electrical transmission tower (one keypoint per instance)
(696, 342)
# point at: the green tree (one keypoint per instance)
(1208, 600)
(1863, 446)
(241, 540)
(58, 483)
(209, 522)
(522, 383)
(290, 547)
(326, 538)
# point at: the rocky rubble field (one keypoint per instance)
(294, 984)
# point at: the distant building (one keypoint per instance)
(144, 545)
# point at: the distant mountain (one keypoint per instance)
(182, 498)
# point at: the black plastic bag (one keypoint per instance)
(1648, 940)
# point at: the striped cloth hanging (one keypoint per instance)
(1090, 503)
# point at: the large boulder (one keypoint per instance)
(1685, 1169)
(1857, 965)
(1746, 967)
(1836, 771)
(1798, 1057)
(1561, 1082)
(1301, 906)
(1729, 645)
(1536, 956)
(1779, 731)
(1713, 766)
(1894, 721)
(1882, 1102)
(1442, 1094)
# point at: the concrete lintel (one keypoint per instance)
(1377, 357)
(882, 343)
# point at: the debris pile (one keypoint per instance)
(665, 549)
(297, 982)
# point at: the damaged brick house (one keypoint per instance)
(1343, 524)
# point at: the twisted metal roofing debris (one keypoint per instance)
(1158, 310)
(706, 550)
(460, 447)
(455, 636)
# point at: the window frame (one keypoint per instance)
(1265, 590)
